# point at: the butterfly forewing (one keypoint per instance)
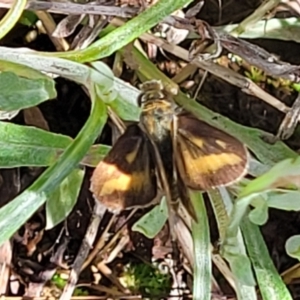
(126, 177)
(208, 157)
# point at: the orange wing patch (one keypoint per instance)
(126, 176)
(208, 157)
(121, 182)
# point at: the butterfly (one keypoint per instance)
(168, 151)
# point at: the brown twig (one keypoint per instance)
(226, 74)
(83, 252)
(290, 121)
(76, 9)
(49, 24)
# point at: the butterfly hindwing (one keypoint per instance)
(126, 176)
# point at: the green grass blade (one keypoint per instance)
(202, 251)
(22, 70)
(220, 212)
(19, 92)
(270, 283)
(234, 251)
(284, 29)
(29, 146)
(33, 147)
(152, 222)
(63, 199)
(125, 34)
(24, 205)
(11, 17)
(284, 173)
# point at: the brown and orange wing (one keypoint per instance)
(208, 157)
(126, 178)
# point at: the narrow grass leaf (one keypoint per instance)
(220, 212)
(234, 251)
(202, 251)
(284, 29)
(285, 173)
(29, 146)
(33, 147)
(152, 222)
(95, 154)
(270, 283)
(19, 92)
(125, 110)
(125, 34)
(64, 197)
(240, 266)
(17, 67)
(284, 199)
